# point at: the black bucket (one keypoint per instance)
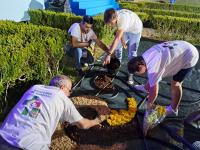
(113, 66)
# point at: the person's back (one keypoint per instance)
(171, 58)
(32, 122)
(129, 21)
(167, 58)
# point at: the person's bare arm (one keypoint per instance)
(77, 44)
(153, 93)
(86, 123)
(101, 45)
(114, 45)
(118, 37)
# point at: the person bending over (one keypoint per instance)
(172, 58)
(33, 120)
(129, 29)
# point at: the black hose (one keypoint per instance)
(177, 137)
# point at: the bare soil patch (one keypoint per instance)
(102, 137)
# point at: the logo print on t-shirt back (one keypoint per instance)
(170, 45)
(32, 107)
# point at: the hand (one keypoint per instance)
(91, 44)
(107, 60)
(102, 118)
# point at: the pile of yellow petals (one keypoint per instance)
(161, 110)
(121, 117)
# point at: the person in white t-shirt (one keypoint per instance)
(33, 120)
(129, 29)
(172, 58)
(82, 36)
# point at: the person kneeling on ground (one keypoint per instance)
(172, 58)
(82, 36)
(33, 120)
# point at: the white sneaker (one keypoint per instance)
(85, 65)
(196, 145)
(141, 88)
(130, 79)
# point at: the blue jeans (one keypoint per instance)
(172, 1)
(133, 40)
(6, 146)
(79, 59)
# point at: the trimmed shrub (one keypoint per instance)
(169, 24)
(167, 6)
(130, 6)
(162, 12)
(182, 25)
(28, 52)
(65, 20)
(170, 27)
(53, 19)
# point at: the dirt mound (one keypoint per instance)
(104, 82)
(100, 135)
(104, 135)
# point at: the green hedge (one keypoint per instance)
(59, 20)
(163, 12)
(176, 27)
(53, 19)
(185, 26)
(28, 52)
(65, 20)
(170, 13)
(130, 6)
(167, 6)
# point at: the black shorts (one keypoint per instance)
(182, 74)
(6, 146)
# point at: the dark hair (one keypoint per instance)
(133, 64)
(87, 19)
(109, 14)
